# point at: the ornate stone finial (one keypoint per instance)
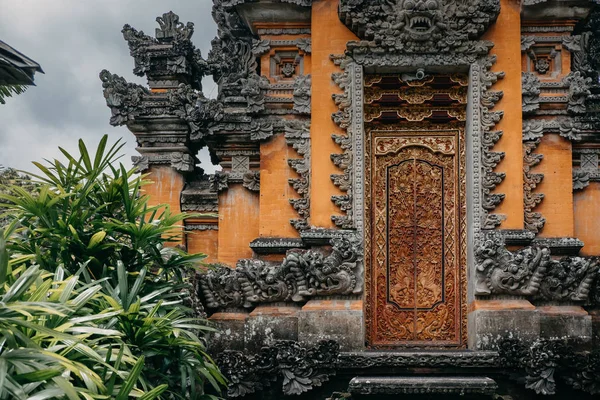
(171, 28)
(123, 98)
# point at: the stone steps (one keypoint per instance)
(422, 385)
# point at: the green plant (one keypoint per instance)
(52, 343)
(88, 221)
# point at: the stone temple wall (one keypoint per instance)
(330, 273)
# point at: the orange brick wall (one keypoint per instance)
(557, 205)
(206, 242)
(275, 191)
(587, 218)
(329, 36)
(238, 223)
(165, 188)
(506, 35)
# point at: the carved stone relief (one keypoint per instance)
(299, 138)
(302, 274)
(531, 272)
(295, 368)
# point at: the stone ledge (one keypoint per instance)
(421, 384)
(441, 358)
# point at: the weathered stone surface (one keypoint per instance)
(268, 323)
(571, 323)
(230, 331)
(370, 385)
(339, 320)
(489, 325)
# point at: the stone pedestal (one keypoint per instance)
(230, 335)
(271, 322)
(339, 320)
(489, 321)
(566, 322)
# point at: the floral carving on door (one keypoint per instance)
(415, 234)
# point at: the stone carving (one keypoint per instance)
(298, 136)
(182, 162)
(501, 271)
(122, 98)
(531, 92)
(302, 91)
(219, 181)
(304, 44)
(417, 359)
(171, 28)
(253, 88)
(287, 364)
(170, 53)
(261, 130)
(569, 279)
(345, 160)
(532, 134)
(542, 65)
(419, 26)
(490, 159)
(531, 272)
(198, 111)
(546, 359)
(301, 275)
(141, 163)
(579, 90)
(581, 179)
(540, 361)
(251, 181)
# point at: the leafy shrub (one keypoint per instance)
(87, 228)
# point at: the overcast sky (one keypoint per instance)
(73, 40)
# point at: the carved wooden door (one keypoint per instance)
(416, 228)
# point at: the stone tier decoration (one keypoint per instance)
(302, 274)
(284, 367)
(531, 272)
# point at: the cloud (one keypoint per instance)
(73, 40)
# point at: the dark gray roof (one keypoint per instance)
(15, 67)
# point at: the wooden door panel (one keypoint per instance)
(414, 273)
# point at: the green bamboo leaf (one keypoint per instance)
(3, 259)
(37, 376)
(154, 393)
(96, 239)
(131, 380)
(122, 284)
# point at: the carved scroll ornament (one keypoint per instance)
(301, 275)
(531, 272)
(287, 363)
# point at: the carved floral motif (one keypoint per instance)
(301, 275)
(288, 364)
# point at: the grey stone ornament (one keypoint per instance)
(419, 26)
(301, 275)
(296, 368)
(500, 271)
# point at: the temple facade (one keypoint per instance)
(408, 194)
